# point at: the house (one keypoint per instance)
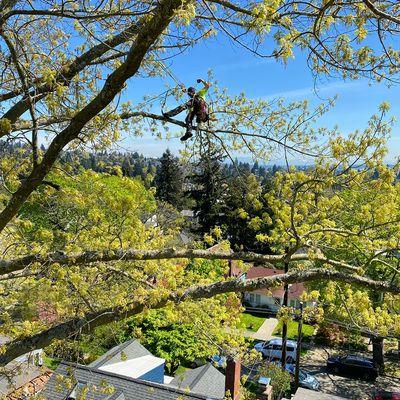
(130, 372)
(23, 375)
(133, 360)
(272, 299)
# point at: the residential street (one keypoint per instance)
(351, 388)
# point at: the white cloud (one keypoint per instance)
(311, 90)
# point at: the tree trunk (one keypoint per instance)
(377, 353)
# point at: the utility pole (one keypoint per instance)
(284, 324)
(298, 349)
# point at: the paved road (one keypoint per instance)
(349, 388)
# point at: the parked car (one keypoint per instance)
(384, 395)
(393, 354)
(306, 380)
(272, 350)
(353, 365)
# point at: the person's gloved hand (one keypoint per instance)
(199, 80)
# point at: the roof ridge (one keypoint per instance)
(118, 349)
(196, 380)
(139, 381)
(122, 346)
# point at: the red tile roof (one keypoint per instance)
(295, 290)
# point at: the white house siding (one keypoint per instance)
(258, 300)
(262, 300)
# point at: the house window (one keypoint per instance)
(258, 299)
(251, 298)
(277, 301)
(292, 303)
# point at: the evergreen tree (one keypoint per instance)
(168, 180)
(255, 169)
(209, 186)
(247, 214)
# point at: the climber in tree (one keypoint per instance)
(197, 107)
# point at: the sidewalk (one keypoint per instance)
(264, 331)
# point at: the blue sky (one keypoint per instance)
(241, 71)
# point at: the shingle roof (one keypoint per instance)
(206, 380)
(128, 388)
(126, 351)
(16, 375)
(118, 396)
(34, 386)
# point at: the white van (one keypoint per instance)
(272, 350)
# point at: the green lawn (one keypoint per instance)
(251, 322)
(308, 330)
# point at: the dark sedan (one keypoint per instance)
(353, 365)
(393, 354)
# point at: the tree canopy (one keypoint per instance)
(80, 243)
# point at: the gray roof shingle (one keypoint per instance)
(205, 380)
(125, 351)
(128, 388)
(17, 374)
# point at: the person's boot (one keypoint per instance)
(186, 136)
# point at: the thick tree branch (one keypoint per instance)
(5, 7)
(382, 14)
(216, 131)
(88, 257)
(72, 14)
(92, 320)
(233, 7)
(68, 72)
(150, 30)
(43, 122)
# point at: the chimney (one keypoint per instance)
(232, 378)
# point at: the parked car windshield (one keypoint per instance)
(302, 375)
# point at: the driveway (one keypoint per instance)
(315, 362)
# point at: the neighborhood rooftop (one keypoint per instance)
(125, 351)
(124, 387)
(205, 380)
(134, 373)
